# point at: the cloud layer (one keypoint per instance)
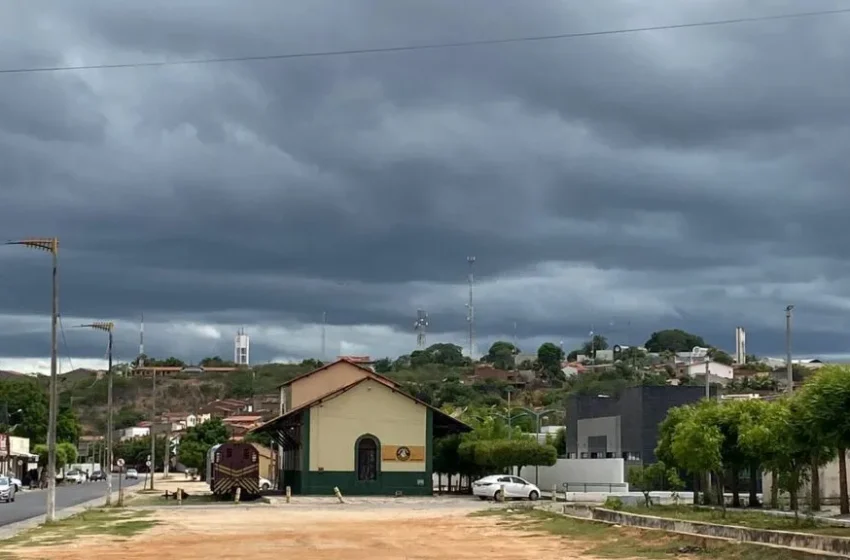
(693, 178)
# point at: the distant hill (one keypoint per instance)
(11, 374)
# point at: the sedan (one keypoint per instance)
(16, 482)
(131, 474)
(490, 488)
(265, 484)
(97, 475)
(7, 489)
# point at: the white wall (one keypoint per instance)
(715, 369)
(579, 471)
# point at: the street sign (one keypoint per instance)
(147, 463)
(120, 462)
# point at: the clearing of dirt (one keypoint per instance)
(320, 531)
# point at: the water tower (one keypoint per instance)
(241, 348)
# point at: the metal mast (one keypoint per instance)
(470, 317)
(421, 327)
(142, 342)
(324, 333)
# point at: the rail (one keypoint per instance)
(609, 487)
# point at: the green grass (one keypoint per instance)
(607, 541)
(742, 518)
(114, 522)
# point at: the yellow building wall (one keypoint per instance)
(370, 408)
(314, 386)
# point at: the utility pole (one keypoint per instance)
(107, 328)
(153, 425)
(707, 377)
(470, 317)
(788, 364)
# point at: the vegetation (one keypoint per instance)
(790, 437)
(94, 522)
(197, 440)
(600, 540)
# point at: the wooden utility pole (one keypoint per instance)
(152, 467)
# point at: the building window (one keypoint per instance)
(609, 455)
(571, 455)
(367, 459)
(631, 456)
(585, 455)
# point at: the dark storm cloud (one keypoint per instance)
(694, 177)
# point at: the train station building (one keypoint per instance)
(345, 426)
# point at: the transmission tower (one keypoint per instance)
(421, 327)
(470, 317)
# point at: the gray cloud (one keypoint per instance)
(691, 178)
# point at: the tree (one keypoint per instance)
(503, 454)
(549, 358)
(501, 354)
(197, 441)
(697, 443)
(826, 400)
(215, 361)
(656, 476)
(383, 365)
(597, 342)
(675, 340)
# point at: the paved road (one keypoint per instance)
(30, 503)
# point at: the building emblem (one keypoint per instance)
(402, 453)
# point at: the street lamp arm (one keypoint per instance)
(49, 244)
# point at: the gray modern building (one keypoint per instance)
(624, 425)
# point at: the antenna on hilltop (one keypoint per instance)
(142, 342)
(420, 326)
(470, 317)
(324, 333)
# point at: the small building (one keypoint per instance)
(625, 425)
(487, 372)
(345, 426)
(715, 370)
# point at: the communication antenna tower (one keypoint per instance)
(421, 327)
(142, 341)
(324, 333)
(470, 317)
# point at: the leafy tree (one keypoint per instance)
(656, 476)
(193, 454)
(502, 454)
(135, 451)
(501, 354)
(383, 366)
(826, 400)
(215, 361)
(197, 440)
(720, 356)
(597, 342)
(549, 358)
(697, 443)
(674, 340)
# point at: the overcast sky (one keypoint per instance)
(692, 178)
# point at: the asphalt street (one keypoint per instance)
(31, 503)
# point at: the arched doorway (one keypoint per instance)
(366, 458)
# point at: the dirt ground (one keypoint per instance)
(318, 532)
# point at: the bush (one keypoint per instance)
(613, 502)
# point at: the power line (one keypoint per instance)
(65, 342)
(422, 47)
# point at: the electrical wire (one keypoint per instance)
(65, 343)
(422, 47)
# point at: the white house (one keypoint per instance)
(132, 432)
(715, 369)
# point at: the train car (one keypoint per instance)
(235, 465)
(209, 464)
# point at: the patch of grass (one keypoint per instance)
(159, 500)
(607, 541)
(742, 518)
(104, 521)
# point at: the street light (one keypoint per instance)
(51, 245)
(107, 327)
(537, 416)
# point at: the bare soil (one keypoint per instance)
(320, 532)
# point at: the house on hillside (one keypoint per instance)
(485, 372)
(345, 426)
(223, 408)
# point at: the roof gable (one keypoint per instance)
(371, 374)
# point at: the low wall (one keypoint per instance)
(582, 475)
(824, 543)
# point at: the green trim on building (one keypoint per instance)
(429, 445)
(322, 483)
(305, 450)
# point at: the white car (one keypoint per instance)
(16, 482)
(75, 476)
(265, 484)
(489, 488)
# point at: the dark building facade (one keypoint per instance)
(624, 425)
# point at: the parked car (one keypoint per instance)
(7, 489)
(490, 488)
(97, 475)
(265, 484)
(75, 476)
(131, 474)
(16, 482)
